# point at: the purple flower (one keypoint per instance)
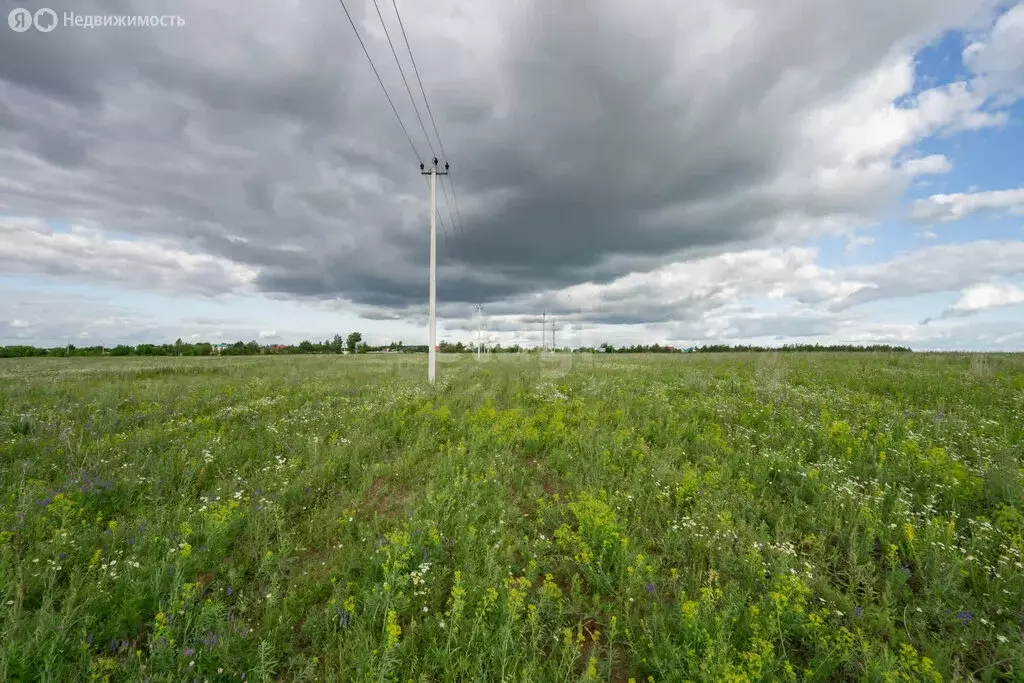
(965, 616)
(63, 556)
(229, 591)
(650, 588)
(189, 652)
(858, 612)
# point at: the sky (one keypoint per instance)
(673, 171)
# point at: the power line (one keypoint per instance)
(415, 108)
(430, 112)
(379, 80)
(404, 80)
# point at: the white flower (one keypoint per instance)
(425, 608)
(1001, 639)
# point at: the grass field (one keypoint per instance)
(697, 517)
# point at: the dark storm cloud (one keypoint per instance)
(587, 141)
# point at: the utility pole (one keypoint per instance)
(544, 331)
(553, 346)
(479, 329)
(432, 330)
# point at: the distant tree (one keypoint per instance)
(353, 341)
(306, 346)
(337, 344)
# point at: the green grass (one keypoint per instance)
(698, 517)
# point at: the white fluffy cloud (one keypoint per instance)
(998, 59)
(929, 165)
(951, 207)
(987, 295)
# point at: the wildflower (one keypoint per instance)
(1001, 638)
(650, 588)
(965, 616)
(189, 652)
(858, 612)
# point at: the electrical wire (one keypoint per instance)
(430, 111)
(366, 52)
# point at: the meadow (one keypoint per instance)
(651, 518)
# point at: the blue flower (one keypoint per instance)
(858, 612)
(650, 588)
(965, 616)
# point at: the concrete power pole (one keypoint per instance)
(432, 330)
(544, 331)
(479, 330)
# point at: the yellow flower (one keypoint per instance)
(392, 628)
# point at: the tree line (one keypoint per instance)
(354, 343)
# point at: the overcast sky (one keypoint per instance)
(673, 171)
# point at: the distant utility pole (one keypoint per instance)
(432, 333)
(553, 346)
(479, 329)
(544, 331)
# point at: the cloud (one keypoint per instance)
(268, 334)
(260, 141)
(29, 246)
(926, 234)
(929, 165)
(998, 59)
(939, 268)
(987, 295)
(951, 207)
(854, 242)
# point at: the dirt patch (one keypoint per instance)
(205, 578)
(385, 498)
